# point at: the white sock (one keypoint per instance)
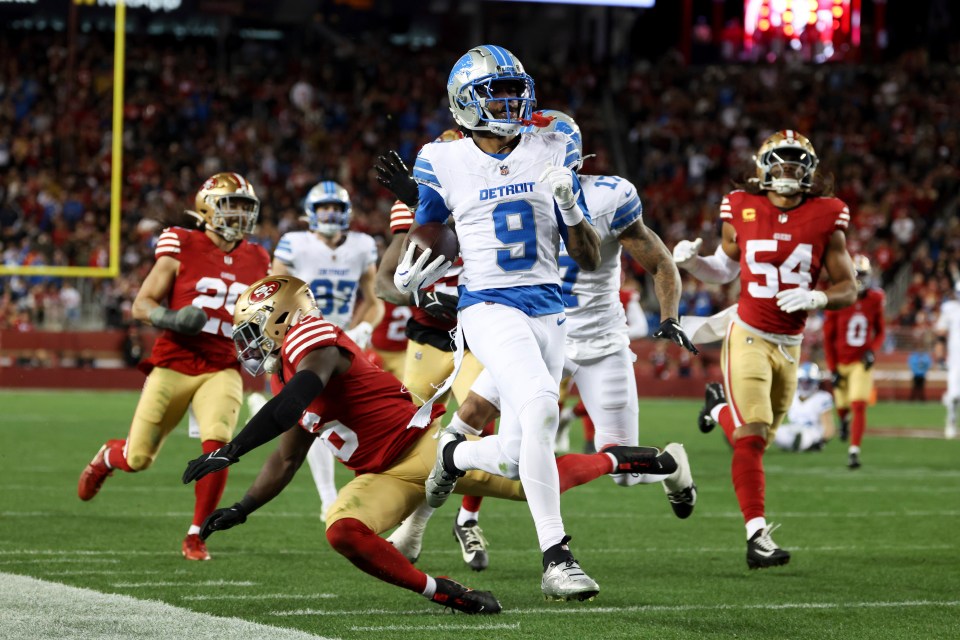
(854, 449)
(462, 427)
(321, 462)
(431, 587)
(715, 412)
(754, 525)
(420, 516)
(466, 516)
(194, 529)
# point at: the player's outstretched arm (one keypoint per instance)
(843, 288)
(720, 268)
(385, 288)
(648, 249)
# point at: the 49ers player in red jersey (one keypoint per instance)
(388, 342)
(779, 232)
(851, 338)
(190, 293)
(325, 385)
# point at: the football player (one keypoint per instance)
(429, 358)
(948, 350)
(778, 233)
(851, 338)
(325, 385)
(388, 342)
(809, 422)
(337, 263)
(190, 293)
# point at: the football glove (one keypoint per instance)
(837, 380)
(188, 320)
(442, 306)
(411, 276)
(670, 330)
(797, 299)
(868, 359)
(685, 252)
(211, 462)
(360, 334)
(223, 519)
(393, 174)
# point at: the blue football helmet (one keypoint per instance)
(471, 86)
(564, 124)
(808, 379)
(328, 223)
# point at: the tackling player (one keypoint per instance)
(190, 293)
(851, 337)
(779, 232)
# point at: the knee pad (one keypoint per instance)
(139, 462)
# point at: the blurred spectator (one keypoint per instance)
(920, 363)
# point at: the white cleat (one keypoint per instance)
(567, 581)
(679, 486)
(408, 539)
(950, 432)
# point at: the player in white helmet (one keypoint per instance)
(809, 422)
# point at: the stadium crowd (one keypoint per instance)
(686, 133)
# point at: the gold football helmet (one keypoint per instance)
(861, 266)
(263, 315)
(227, 205)
(786, 163)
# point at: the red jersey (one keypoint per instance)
(371, 406)
(212, 280)
(390, 334)
(400, 222)
(779, 250)
(850, 332)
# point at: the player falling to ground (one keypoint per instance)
(190, 293)
(809, 422)
(337, 263)
(512, 198)
(779, 232)
(851, 338)
(330, 390)
(598, 357)
(948, 350)
(430, 358)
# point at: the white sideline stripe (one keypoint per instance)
(92, 572)
(63, 561)
(586, 609)
(34, 609)
(439, 627)
(175, 583)
(263, 596)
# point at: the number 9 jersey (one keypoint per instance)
(211, 280)
(779, 250)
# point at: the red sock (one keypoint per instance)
(471, 503)
(580, 468)
(859, 423)
(489, 429)
(748, 480)
(580, 410)
(725, 420)
(372, 554)
(115, 455)
(589, 432)
(209, 489)
(842, 413)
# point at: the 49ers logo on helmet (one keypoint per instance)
(264, 291)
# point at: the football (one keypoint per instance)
(439, 238)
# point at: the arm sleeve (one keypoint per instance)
(280, 412)
(636, 322)
(715, 269)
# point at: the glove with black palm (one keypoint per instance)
(223, 519)
(837, 380)
(868, 359)
(442, 306)
(211, 462)
(671, 330)
(393, 174)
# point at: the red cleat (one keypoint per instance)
(194, 548)
(93, 476)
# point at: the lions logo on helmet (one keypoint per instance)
(474, 80)
(808, 379)
(263, 315)
(327, 208)
(786, 163)
(227, 205)
(559, 121)
(861, 266)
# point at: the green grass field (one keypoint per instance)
(876, 551)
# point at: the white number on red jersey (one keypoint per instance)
(794, 270)
(216, 294)
(339, 438)
(397, 329)
(857, 330)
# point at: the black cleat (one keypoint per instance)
(641, 459)
(853, 460)
(713, 395)
(473, 545)
(454, 595)
(763, 552)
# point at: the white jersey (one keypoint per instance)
(333, 274)
(596, 323)
(803, 427)
(949, 321)
(505, 220)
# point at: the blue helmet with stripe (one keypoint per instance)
(564, 124)
(474, 82)
(327, 208)
(808, 378)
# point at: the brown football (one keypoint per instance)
(439, 238)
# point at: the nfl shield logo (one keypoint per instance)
(783, 218)
(504, 169)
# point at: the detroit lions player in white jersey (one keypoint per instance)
(511, 197)
(948, 350)
(809, 423)
(336, 263)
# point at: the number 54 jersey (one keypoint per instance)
(211, 280)
(779, 250)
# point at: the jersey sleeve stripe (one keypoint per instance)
(424, 177)
(309, 335)
(627, 214)
(726, 215)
